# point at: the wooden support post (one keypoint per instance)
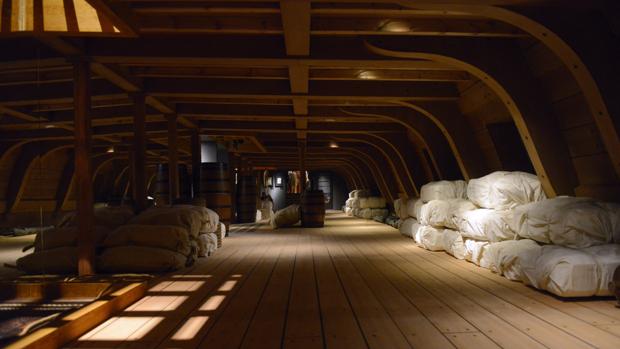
(302, 162)
(173, 158)
(83, 175)
(139, 155)
(196, 161)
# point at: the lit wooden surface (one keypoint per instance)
(351, 284)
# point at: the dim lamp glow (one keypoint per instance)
(333, 144)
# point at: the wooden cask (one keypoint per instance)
(247, 194)
(162, 185)
(215, 189)
(313, 209)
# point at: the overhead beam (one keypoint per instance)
(296, 26)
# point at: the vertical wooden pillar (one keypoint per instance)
(233, 163)
(196, 162)
(83, 174)
(139, 155)
(301, 145)
(173, 158)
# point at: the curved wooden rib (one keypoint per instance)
(498, 65)
(565, 53)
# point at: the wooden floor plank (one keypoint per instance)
(228, 330)
(340, 326)
(352, 284)
(266, 329)
(379, 329)
(419, 331)
(303, 321)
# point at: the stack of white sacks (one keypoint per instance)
(504, 222)
(362, 204)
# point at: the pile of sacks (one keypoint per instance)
(156, 240)
(56, 251)
(362, 204)
(504, 222)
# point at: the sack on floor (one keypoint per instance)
(414, 208)
(443, 190)
(453, 244)
(286, 217)
(372, 202)
(409, 227)
(359, 193)
(353, 203)
(62, 260)
(562, 271)
(65, 237)
(568, 221)
(429, 238)
(139, 259)
(400, 208)
(503, 190)
(441, 213)
(190, 219)
(348, 211)
(485, 224)
(109, 217)
(168, 237)
(379, 214)
(364, 213)
(503, 257)
(475, 250)
(607, 258)
(210, 219)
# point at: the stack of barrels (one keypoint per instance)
(247, 194)
(215, 189)
(313, 209)
(162, 184)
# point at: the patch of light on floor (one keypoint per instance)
(197, 276)
(159, 303)
(125, 328)
(182, 286)
(190, 328)
(227, 286)
(212, 303)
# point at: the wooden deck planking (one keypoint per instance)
(351, 284)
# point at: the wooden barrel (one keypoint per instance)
(162, 185)
(313, 209)
(215, 189)
(247, 192)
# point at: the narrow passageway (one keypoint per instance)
(352, 284)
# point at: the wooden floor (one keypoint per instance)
(352, 284)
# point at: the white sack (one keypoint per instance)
(453, 244)
(440, 213)
(409, 227)
(400, 208)
(364, 213)
(379, 213)
(210, 220)
(567, 221)
(504, 190)
(607, 258)
(191, 219)
(475, 250)
(65, 237)
(503, 257)
(413, 207)
(359, 193)
(286, 217)
(208, 243)
(485, 224)
(61, 260)
(168, 237)
(348, 211)
(353, 203)
(372, 202)
(430, 238)
(443, 190)
(562, 271)
(139, 259)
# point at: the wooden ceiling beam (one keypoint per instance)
(296, 25)
(120, 15)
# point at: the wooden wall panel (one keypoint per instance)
(6, 165)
